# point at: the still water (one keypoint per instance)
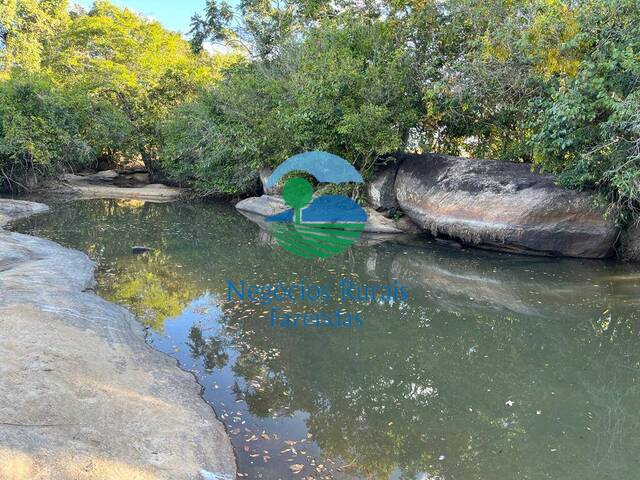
(497, 367)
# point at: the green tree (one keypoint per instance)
(589, 131)
(136, 65)
(345, 87)
(261, 27)
(43, 131)
(27, 27)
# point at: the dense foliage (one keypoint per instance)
(84, 88)
(549, 82)
(343, 89)
(589, 129)
(40, 129)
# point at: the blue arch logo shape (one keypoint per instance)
(318, 227)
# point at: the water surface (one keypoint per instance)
(497, 367)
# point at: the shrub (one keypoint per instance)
(589, 131)
(39, 134)
(345, 88)
(44, 132)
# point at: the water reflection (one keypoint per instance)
(499, 366)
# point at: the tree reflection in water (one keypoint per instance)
(211, 350)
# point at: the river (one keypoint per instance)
(496, 366)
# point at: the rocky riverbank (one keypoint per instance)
(82, 395)
(111, 184)
(495, 205)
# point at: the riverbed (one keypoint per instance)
(495, 366)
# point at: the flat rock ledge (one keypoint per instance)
(100, 186)
(82, 395)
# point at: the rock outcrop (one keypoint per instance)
(110, 184)
(82, 395)
(630, 244)
(501, 205)
(381, 191)
(11, 210)
(267, 205)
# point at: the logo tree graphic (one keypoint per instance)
(330, 223)
(297, 194)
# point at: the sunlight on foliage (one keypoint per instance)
(553, 83)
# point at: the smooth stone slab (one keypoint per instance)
(502, 205)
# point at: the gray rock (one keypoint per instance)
(271, 205)
(265, 173)
(630, 244)
(82, 395)
(82, 187)
(378, 223)
(132, 179)
(265, 205)
(105, 176)
(15, 209)
(381, 193)
(503, 206)
(139, 250)
(144, 178)
(133, 170)
(407, 225)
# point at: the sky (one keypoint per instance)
(172, 14)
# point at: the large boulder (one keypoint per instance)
(501, 205)
(630, 244)
(381, 192)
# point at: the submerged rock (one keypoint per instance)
(500, 286)
(501, 205)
